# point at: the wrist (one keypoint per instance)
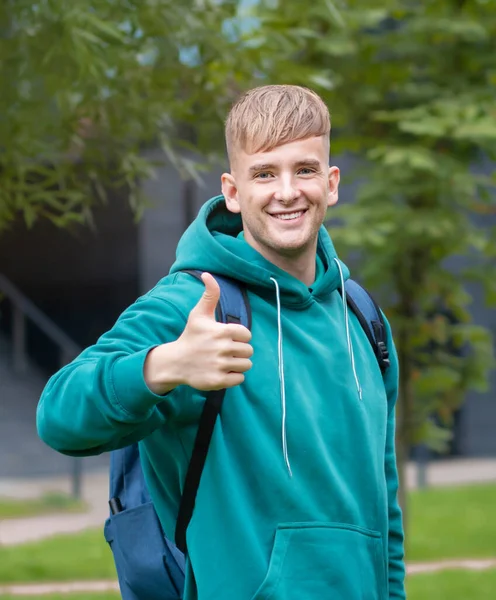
(162, 369)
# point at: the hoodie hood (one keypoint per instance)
(211, 243)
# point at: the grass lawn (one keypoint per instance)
(84, 556)
(444, 523)
(54, 502)
(454, 522)
(86, 596)
(448, 585)
(453, 585)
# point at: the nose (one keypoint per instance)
(286, 192)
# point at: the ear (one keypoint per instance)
(230, 192)
(334, 177)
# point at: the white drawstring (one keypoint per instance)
(281, 359)
(281, 379)
(347, 324)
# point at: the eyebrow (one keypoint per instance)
(262, 167)
(307, 162)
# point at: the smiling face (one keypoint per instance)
(282, 196)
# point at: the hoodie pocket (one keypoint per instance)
(312, 561)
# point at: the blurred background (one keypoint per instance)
(111, 138)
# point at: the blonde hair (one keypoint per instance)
(268, 116)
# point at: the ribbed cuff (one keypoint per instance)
(129, 385)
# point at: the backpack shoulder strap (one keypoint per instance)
(233, 308)
(370, 317)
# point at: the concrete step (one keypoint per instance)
(22, 452)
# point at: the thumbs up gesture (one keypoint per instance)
(207, 356)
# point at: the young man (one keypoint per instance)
(298, 497)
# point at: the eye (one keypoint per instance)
(306, 171)
(263, 175)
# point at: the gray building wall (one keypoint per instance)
(478, 423)
(81, 277)
(174, 203)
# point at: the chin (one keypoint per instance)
(291, 249)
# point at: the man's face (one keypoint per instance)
(283, 196)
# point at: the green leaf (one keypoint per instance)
(335, 14)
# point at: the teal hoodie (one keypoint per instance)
(298, 498)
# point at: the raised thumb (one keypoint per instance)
(210, 298)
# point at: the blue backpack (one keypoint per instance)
(150, 566)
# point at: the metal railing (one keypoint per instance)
(22, 310)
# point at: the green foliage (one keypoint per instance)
(87, 84)
(411, 86)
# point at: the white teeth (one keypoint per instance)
(289, 216)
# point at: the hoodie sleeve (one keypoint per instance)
(100, 401)
(396, 536)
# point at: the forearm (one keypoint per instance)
(92, 404)
(101, 400)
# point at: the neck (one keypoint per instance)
(302, 269)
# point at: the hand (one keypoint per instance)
(207, 356)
